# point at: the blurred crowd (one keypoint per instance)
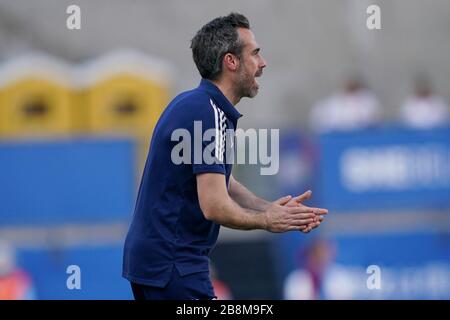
(355, 107)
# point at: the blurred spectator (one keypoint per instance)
(424, 110)
(15, 284)
(221, 289)
(307, 281)
(354, 108)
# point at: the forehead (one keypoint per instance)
(248, 38)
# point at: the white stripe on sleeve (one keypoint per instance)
(216, 119)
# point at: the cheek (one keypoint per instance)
(251, 69)
(256, 63)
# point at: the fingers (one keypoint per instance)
(296, 228)
(303, 225)
(320, 211)
(303, 216)
(304, 209)
(307, 229)
(283, 201)
(303, 197)
(314, 224)
(305, 219)
(302, 222)
(300, 217)
(317, 211)
(291, 204)
(311, 226)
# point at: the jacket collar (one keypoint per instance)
(220, 99)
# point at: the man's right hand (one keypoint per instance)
(298, 201)
(281, 218)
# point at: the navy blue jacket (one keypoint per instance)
(169, 229)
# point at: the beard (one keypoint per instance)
(246, 85)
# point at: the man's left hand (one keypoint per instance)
(298, 201)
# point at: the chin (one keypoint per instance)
(254, 92)
(251, 94)
(250, 91)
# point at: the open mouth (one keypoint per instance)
(257, 75)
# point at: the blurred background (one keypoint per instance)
(363, 119)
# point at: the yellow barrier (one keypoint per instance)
(123, 103)
(120, 93)
(35, 97)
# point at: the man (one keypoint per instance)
(353, 108)
(425, 109)
(181, 205)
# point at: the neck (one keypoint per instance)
(227, 90)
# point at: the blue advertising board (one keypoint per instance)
(384, 169)
(52, 182)
(362, 177)
(99, 273)
(386, 265)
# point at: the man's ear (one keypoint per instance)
(231, 62)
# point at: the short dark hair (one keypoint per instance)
(215, 39)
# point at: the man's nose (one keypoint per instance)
(262, 63)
